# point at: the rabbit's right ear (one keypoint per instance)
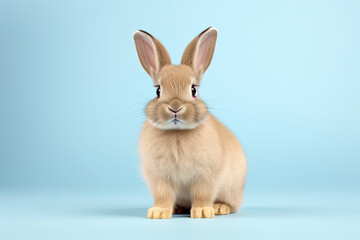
(152, 54)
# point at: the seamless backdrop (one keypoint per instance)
(284, 78)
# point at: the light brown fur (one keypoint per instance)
(195, 164)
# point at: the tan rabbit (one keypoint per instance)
(190, 160)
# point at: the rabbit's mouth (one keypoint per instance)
(176, 121)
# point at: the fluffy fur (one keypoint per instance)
(190, 160)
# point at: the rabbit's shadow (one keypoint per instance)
(138, 212)
(246, 212)
(135, 212)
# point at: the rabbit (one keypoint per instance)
(190, 160)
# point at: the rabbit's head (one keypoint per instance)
(176, 105)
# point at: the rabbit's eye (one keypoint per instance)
(193, 91)
(158, 92)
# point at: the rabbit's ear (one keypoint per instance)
(199, 52)
(152, 54)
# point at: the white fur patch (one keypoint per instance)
(170, 125)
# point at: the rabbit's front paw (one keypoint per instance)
(202, 212)
(159, 213)
(221, 208)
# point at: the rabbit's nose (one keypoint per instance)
(175, 106)
(175, 111)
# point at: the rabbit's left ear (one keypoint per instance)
(199, 52)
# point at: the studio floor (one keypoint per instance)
(108, 215)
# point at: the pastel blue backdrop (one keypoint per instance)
(284, 78)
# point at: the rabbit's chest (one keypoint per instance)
(182, 163)
(180, 157)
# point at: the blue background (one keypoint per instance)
(284, 78)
